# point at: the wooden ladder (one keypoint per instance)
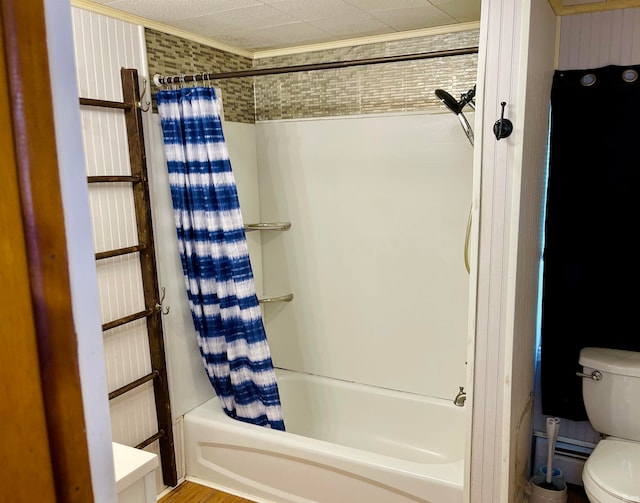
(145, 248)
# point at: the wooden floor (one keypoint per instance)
(188, 492)
(576, 494)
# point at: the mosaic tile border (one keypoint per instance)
(390, 87)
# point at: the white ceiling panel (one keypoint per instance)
(262, 25)
(345, 27)
(386, 4)
(307, 11)
(259, 25)
(251, 18)
(461, 10)
(413, 18)
(170, 10)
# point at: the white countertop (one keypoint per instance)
(131, 464)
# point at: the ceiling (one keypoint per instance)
(253, 26)
(259, 25)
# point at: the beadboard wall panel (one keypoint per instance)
(120, 286)
(119, 230)
(600, 39)
(103, 46)
(105, 139)
(127, 353)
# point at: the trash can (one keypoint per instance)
(538, 493)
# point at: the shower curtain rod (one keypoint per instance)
(160, 80)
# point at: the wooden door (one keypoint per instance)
(43, 441)
(24, 432)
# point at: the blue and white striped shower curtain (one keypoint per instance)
(215, 258)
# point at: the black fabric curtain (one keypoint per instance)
(591, 274)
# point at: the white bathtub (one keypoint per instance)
(345, 443)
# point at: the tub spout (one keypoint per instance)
(460, 398)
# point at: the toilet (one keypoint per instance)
(611, 392)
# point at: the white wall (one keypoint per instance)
(82, 269)
(600, 39)
(515, 65)
(379, 208)
(102, 47)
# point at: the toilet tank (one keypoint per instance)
(613, 402)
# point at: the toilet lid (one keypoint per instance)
(614, 466)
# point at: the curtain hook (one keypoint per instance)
(144, 91)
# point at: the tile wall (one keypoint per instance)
(392, 87)
(171, 55)
(389, 87)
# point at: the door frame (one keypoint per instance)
(515, 65)
(45, 130)
(36, 172)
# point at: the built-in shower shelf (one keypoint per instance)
(273, 226)
(282, 298)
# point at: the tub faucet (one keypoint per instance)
(460, 397)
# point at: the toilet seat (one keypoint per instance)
(612, 472)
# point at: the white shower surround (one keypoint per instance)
(344, 442)
(375, 255)
(402, 334)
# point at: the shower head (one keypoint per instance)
(449, 101)
(456, 107)
(453, 104)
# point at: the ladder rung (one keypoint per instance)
(126, 319)
(120, 251)
(105, 103)
(150, 440)
(114, 179)
(133, 385)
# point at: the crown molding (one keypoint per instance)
(566, 10)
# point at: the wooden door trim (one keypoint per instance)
(24, 34)
(24, 438)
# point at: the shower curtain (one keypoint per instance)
(591, 274)
(215, 258)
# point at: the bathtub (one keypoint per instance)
(345, 443)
